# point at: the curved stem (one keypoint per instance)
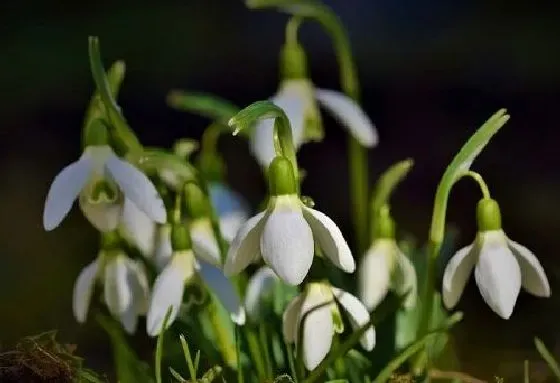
(478, 178)
(292, 27)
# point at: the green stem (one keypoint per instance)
(480, 181)
(264, 344)
(408, 352)
(358, 164)
(284, 143)
(255, 351)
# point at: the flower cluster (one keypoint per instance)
(176, 242)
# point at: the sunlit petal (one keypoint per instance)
(83, 289)
(225, 291)
(137, 187)
(330, 239)
(374, 274)
(118, 295)
(534, 278)
(456, 275)
(138, 228)
(168, 291)
(290, 319)
(350, 115)
(358, 315)
(287, 243)
(205, 245)
(317, 327)
(64, 190)
(498, 277)
(245, 247)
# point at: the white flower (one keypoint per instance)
(317, 308)
(298, 98)
(153, 239)
(284, 236)
(384, 267)
(126, 291)
(100, 179)
(502, 267)
(260, 286)
(170, 285)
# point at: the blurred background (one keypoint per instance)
(431, 72)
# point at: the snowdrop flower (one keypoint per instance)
(125, 288)
(315, 312)
(284, 234)
(501, 265)
(298, 98)
(181, 270)
(101, 181)
(260, 287)
(385, 267)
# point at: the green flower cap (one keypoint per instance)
(281, 178)
(488, 215)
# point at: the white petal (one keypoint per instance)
(163, 249)
(358, 315)
(205, 245)
(245, 247)
(260, 285)
(168, 292)
(534, 278)
(138, 282)
(405, 280)
(349, 114)
(262, 137)
(374, 274)
(118, 295)
(225, 291)
(456, 275)
(83, 289)
(287, 243)
(498, 277)
(64, 190)
(318, 328)
(290, 319)
(138, 228)
(330, 239)
(137, 187)
(230, 224)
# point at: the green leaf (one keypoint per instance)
(96, 109)
(122, 131)
(128, 366)
(387, 183)
(204, 104)
(548, 358)
(460, 164)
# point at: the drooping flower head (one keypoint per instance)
(125, 287)
(502, 266)
(101, 181)
(316, 313)
(183, 269)
(284, 235)
(385, 267)
(298, 97)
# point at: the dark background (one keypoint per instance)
(431, 73)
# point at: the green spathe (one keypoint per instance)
(488, 215)
(281, 178)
